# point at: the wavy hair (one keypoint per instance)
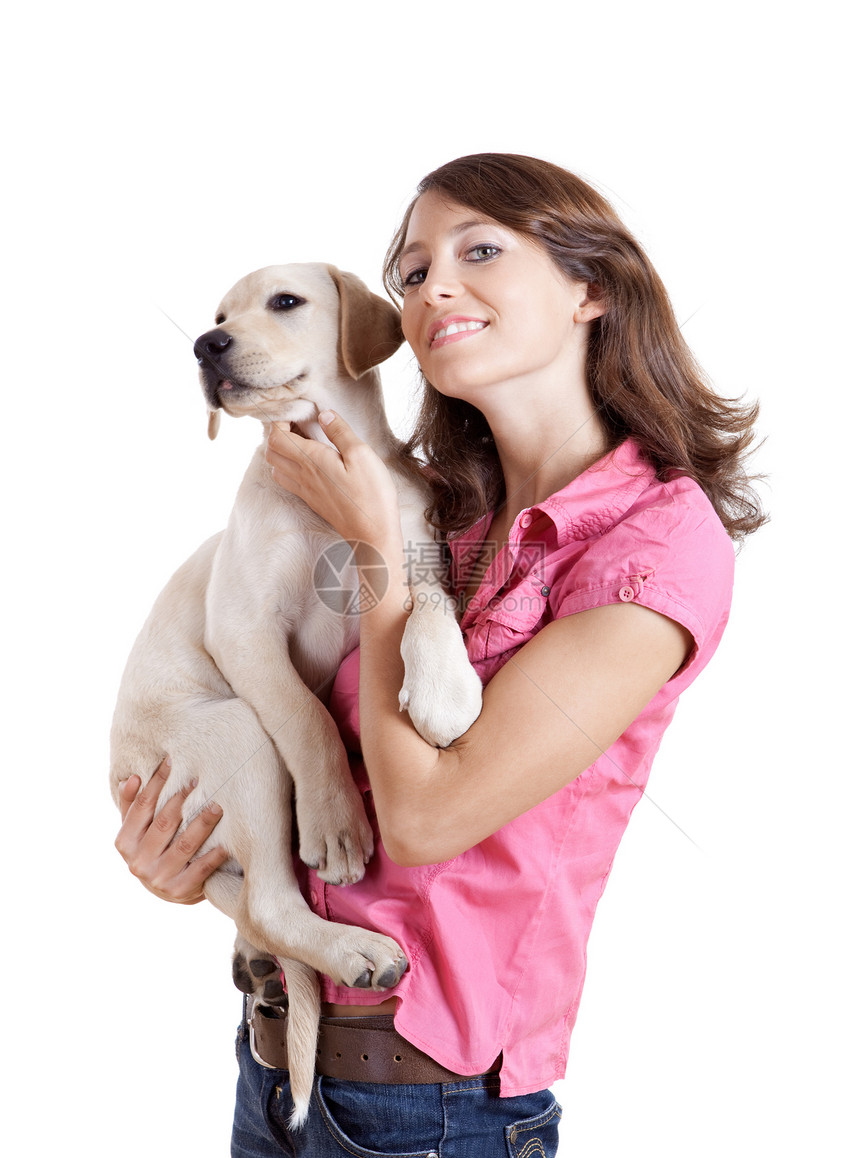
(643, 379)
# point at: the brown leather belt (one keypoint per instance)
(354, 1049)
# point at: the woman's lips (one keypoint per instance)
(454, 329)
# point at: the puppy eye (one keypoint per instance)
(285, 302)
(220, 319)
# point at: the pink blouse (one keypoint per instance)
(496, 938)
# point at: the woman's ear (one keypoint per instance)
(592, 304)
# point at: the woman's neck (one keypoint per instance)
(540, 458)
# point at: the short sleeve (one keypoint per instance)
(670, 553)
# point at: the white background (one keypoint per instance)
(158, 152)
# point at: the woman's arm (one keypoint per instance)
(547, 715)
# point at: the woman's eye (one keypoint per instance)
(482, 252)
(414, 277)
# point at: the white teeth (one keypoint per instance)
(457, 328)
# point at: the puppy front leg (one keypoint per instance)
(334, 834)
(441, 690)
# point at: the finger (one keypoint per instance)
(164, 827)
(182, 881)
(160, 857)
(188, 843)
(311, 472)
(202, 867)
(338, 431)
(147, 799)
(279, 439)
(139, 812)
(285, 471)
(289, 456)
(128, 790)
(286, 444)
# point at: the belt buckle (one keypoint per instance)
(249, 1011)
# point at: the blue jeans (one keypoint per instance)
(466, 1119)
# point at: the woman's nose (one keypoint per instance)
(440, 282)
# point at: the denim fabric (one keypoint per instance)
(465, 1119)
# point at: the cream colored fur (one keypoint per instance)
(231, 670)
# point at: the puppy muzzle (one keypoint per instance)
(210, 350)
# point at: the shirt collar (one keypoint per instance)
(588, 505)
(593, 501)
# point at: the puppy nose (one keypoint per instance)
(211, 345)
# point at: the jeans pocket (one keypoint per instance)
(535, 1137)
(368, 1120)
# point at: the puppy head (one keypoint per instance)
(284, 334)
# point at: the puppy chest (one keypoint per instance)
(319, 644)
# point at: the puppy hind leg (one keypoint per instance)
(257, 973)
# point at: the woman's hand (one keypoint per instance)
(162, 858)
(348, 484)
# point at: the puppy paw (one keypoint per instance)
(441, 690)
(335, 836)
(258, 974)
(369, 961)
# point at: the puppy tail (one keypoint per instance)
(302, 1032)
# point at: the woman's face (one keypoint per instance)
(485, 307)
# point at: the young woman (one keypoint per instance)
(589, 484)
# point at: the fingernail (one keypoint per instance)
(326, 416)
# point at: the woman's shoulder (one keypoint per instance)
(667, 550)
(623, 495)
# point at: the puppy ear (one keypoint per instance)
(214, 423)
(369, 325)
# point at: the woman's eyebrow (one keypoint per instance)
(461, 228)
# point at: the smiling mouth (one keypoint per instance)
(455, 328)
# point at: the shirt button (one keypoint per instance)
(315, 898)
(626, 593)
(526, 519)
(544, 591)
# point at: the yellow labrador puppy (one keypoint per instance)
(231, 671)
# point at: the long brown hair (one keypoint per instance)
(643, 378)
